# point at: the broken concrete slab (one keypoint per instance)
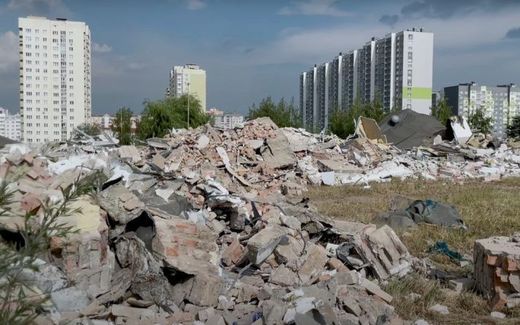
(278, 153)
(185, 246)
(315, 261)
(262, 244)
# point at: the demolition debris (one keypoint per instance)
(208, 226)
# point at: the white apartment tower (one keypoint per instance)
(395, 70)
(10, 125)
(188, 79)
(501, 103)
(55, 77)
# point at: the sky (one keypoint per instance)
(254, 49)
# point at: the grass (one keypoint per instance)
(488, 209)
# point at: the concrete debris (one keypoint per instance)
(498, 315)
(460, 129)
(443, 310)
(208, 226)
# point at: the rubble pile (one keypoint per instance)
(194, 228)
(208, 226)
(262, 156)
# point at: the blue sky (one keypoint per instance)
(253, 49)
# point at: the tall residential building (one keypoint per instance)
(188, 79)
(10, 125)
(395, 70)
(501, 103)
(55, 77)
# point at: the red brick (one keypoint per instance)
(491, 260)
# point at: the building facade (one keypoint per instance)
(10, 125)
(228, 120)
(55, 77)
(188, 79)
(106, 121)
(395, 70)
(501, 103)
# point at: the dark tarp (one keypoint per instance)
(4, 141)
(413, 129)
(423, 211)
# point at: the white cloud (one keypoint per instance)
(313, 7)
(101, 48)
(317, 45)
(196, 4)
(8, 51)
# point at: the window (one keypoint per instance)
(410, 36)
(27, 30)
(54, 32)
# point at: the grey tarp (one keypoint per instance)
(424, 211)
(413, 129)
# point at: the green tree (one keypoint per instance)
(282, 114)
(90, 129)
(513, 130)
(479, 122)
(442, 111)
(343, 122)
(160, 116)
(374, 110)
(20, 303)
(122, 126)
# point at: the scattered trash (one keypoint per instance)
(441, 247)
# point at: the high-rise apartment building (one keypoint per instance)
(55, 77)
(395, 70)
(10, 125)
(501, 103)
(188, 79)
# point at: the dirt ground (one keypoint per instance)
(488, 209)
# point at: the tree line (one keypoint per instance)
(160, 116)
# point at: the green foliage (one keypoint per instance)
(20, 302)
(90, 129)
(282, 114)
(479, 122)
(160, 116)
(513, 130)
(343, 122)
(122, 126)
(442, 111)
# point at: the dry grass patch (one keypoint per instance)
(488, 209)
